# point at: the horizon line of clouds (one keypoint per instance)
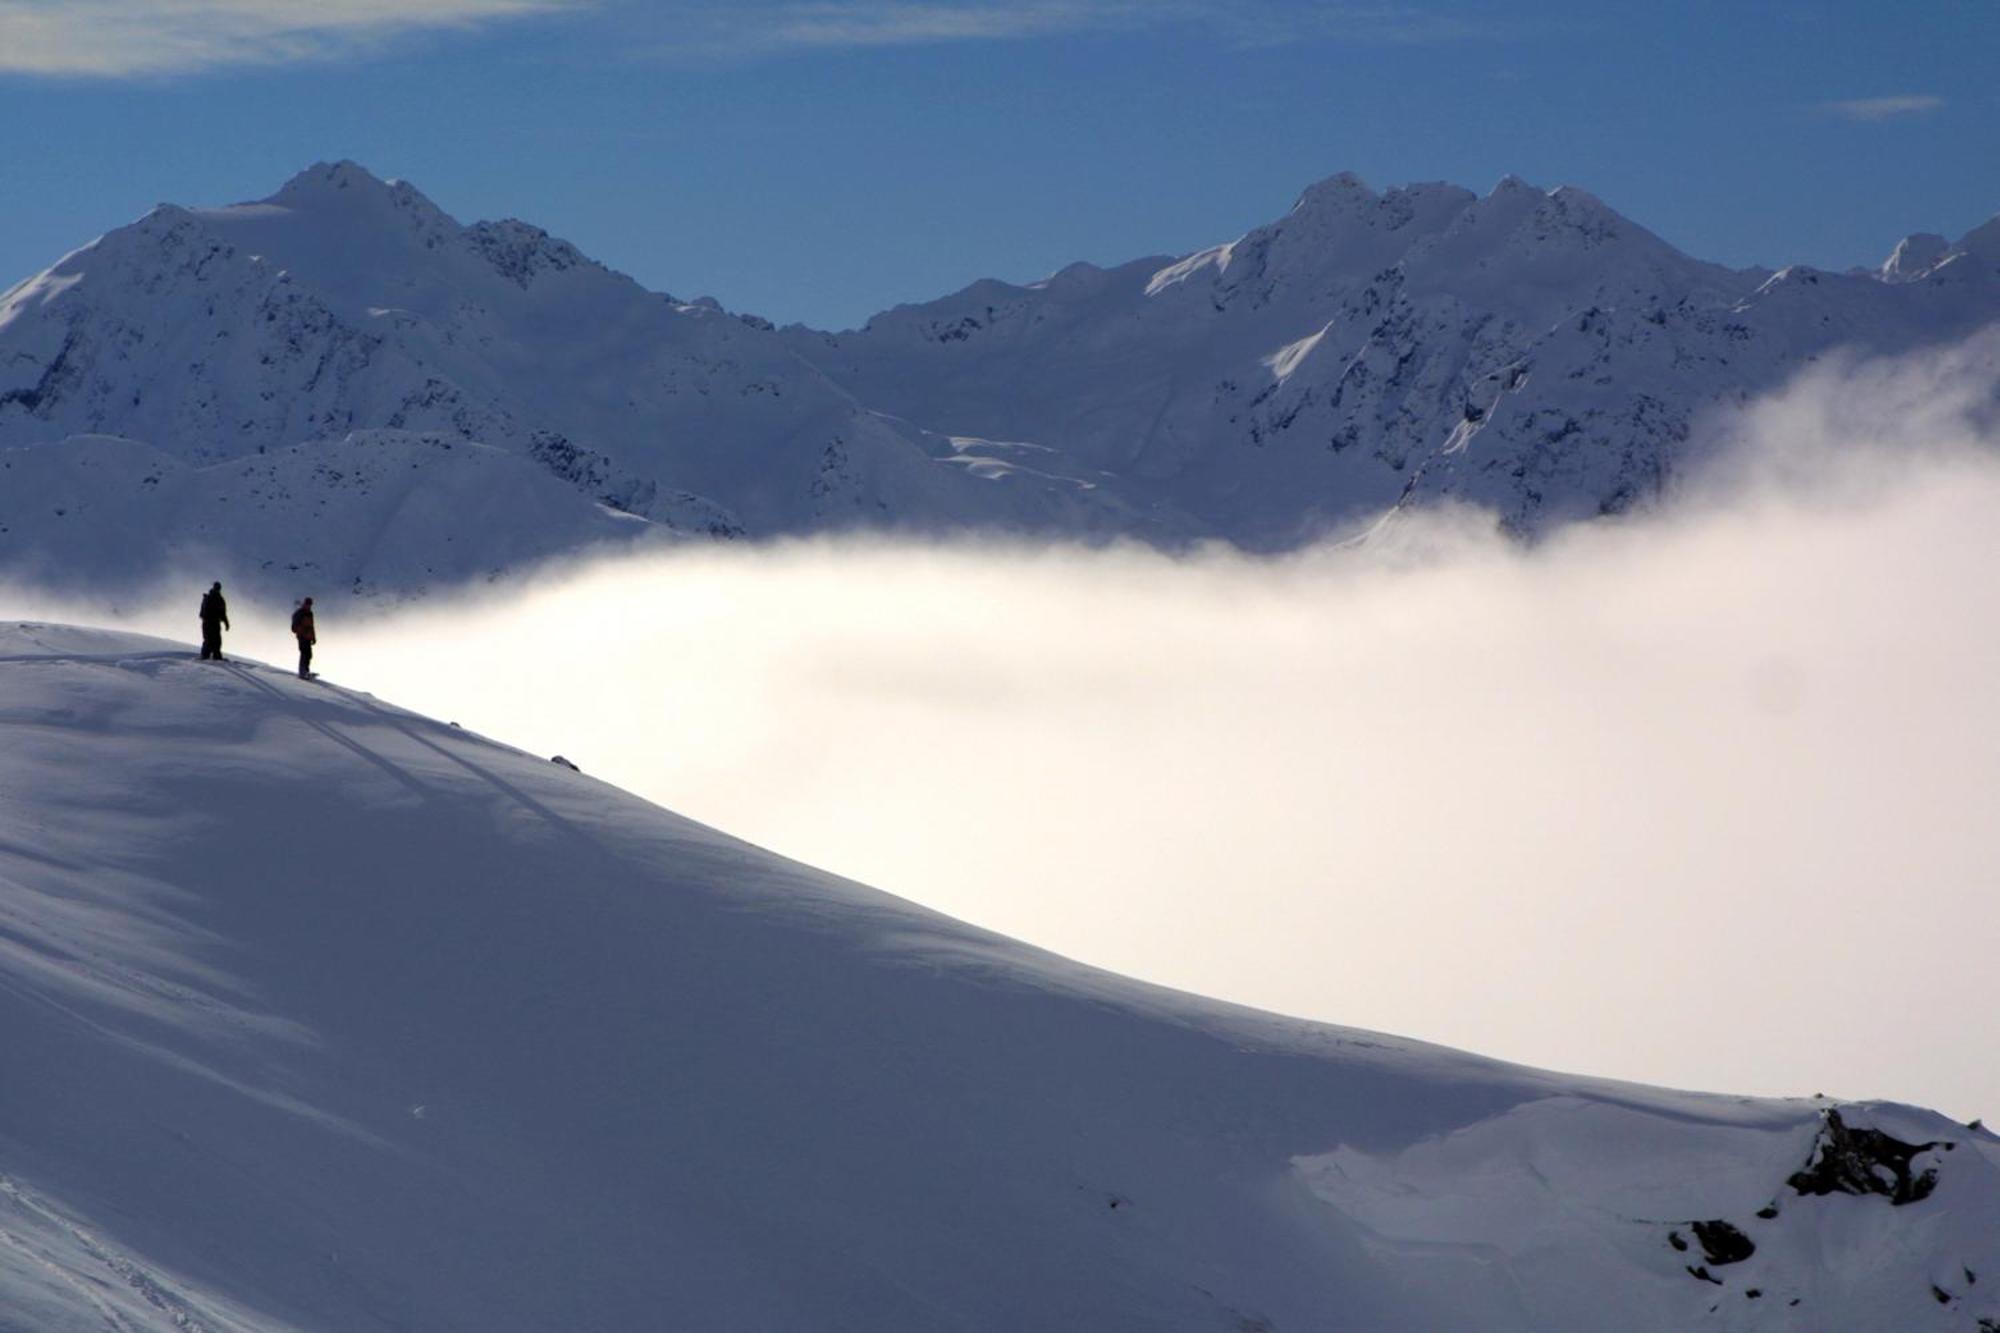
(1870, 110)
(114, 39)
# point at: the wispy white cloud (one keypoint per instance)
(1884, 108)
(846, 25)
(764, 27)
(119, 38)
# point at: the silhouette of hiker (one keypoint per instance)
(214, 620)
(302, 630)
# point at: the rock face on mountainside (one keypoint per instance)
(320, 1015)
(1529, 351)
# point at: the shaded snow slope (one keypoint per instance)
(374, 510)
(322, 1015)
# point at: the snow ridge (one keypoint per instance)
(322, 1015)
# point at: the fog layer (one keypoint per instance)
(1706, 798)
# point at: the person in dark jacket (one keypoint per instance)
(214, 620)
(302, 630)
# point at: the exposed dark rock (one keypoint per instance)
(1678, 1241)
(1940, 1295)
(1722, 1243)
(1768, 1211)
(1704, 1275)
(1846, 1160)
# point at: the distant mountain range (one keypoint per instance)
(341, 387)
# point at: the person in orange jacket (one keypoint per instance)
(302, 630)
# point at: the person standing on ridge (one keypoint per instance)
(302, 630)
(214, 620)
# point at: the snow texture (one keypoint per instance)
(322, 1015)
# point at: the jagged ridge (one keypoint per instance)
(1530, 351)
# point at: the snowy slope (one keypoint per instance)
(344, 303)
(375, 511)
(322, 1015)
(1530, 351)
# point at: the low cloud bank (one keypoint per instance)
(1706, 798)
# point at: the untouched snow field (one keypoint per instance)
(322, 1015)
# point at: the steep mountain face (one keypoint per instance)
(1528, 351)
(343, 304)
(321, 1015)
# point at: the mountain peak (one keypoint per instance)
(1510, 184)
(1983, 240)
(1341, 210)
(1583, 216)
(348, 187)
(1914, 256)
(1340, 193)
(323, 178)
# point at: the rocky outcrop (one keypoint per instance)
(1849, 1159)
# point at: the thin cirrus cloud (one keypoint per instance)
(125, 38)
(862, 25)
(772, 27)
(1884, 108)
(128, 38)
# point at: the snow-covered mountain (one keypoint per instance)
(321, 1015)
(343, 308)
(1529, 351)
(374, 511)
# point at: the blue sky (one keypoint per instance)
(820, 159)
